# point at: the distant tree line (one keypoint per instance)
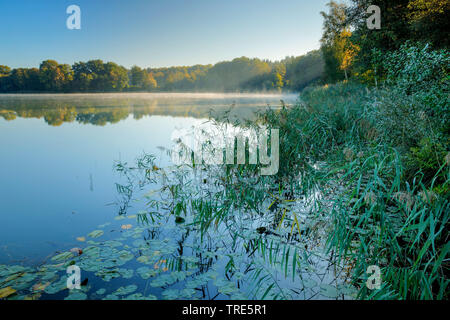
(240, 74)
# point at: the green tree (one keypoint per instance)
(429, 20)
(55, 77)
(82, 77)
(4, 71)
(334, 40)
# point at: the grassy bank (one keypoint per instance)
(386, 168)
(387, 173)
(379, 159)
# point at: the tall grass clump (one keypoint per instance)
(379, 157)
(386, 168)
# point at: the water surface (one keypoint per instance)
(61, 191)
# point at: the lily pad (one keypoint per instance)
(146, 273)
(101, 292)
(139, 296)
(63, 256)
(76, 295)
(122, 291)
(6, 292)
(96, 233)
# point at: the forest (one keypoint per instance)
(239, 75)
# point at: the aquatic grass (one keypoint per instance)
(374, 208)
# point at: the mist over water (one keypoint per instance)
(57, 177)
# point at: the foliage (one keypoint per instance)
(240, 74)
(401, 21)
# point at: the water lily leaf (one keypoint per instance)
(107, 275)
(113, 243)
(101, 292)
(6, 292)
(146, 273)
(122, 291)
(40, 286)
(139, 296)
(81, 239)
(76, 295)
(35, 296)
(144, 259)
(14, 276)
(96, 233)
(63, 256)
(48, 275)
(187, 293)
(91, 250)
(171, 294)
(126, 273)
(104, 225)
(57, 286)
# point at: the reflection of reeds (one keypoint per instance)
(369, 210)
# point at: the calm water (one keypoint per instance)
(56, 169)
(58, 192)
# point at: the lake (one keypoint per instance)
(60, 189)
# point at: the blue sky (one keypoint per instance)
(157, 33)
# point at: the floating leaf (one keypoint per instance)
(81, 239)
(140, 296)
(143, 259)
(57, 286)
(126, 273)
(104, 225)
(122, 291)
(40, 286)
(6, 292)
(96, 233)
(101, 292)
(35, 296)
(146, 273)
(113, 243)
(76, 295)
(63, 256)
(171, 294)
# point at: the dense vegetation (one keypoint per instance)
(241, 74)
(374, 141)
(381, 133)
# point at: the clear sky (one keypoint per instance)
(157, 33)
